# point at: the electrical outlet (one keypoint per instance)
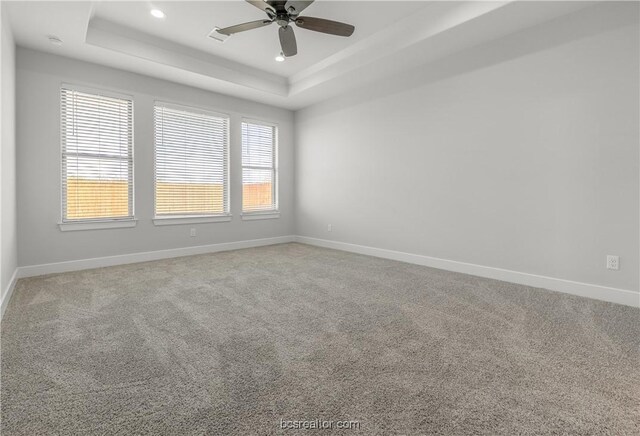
(613, 262)
(193, 233)
(328, 227)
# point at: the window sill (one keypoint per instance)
(177, 220)
(249, 216)
(96, 225)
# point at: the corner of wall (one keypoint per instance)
(8, 221)
(7, 293)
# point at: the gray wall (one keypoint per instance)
(8, 231)
(38, 84)
(519, 154)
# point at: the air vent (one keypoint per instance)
(218, 36)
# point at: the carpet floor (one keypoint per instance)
(242, 342)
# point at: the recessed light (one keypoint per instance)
(54, 40)
(280, 58)
(157, 13)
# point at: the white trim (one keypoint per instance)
(248, 216)
(177, 220)
(131, 186)
(99, 262)
(226, 187)
(598, 292)
(275, 168)
(6, 294)
(89, 89)
(613, 295)
(96, 225)
(191, 109)
(259, 122)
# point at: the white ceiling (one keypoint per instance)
(390, 36)
(189, 23)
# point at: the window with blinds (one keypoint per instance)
(97, 156)
(191, 162)
(259, 169)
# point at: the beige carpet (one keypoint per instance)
(231, 343)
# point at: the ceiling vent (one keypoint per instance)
(218, 36)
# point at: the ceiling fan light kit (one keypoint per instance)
(284, 13)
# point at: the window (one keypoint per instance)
(191, 162)
(259, 167)
(97, 156)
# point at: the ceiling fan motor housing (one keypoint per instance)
(282, 20)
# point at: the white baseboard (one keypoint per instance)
(99, 262)
(6, 293)
(613, 295)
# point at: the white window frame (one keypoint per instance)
(263, 214)
(96, 223)
(169, 220)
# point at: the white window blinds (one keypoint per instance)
(259, 169)
(97, 156)
(191, 162)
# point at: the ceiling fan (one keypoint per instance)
(284, 13)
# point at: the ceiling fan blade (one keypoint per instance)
(260, 4)
(297, 5)
(325, 26)
(244, 26)
(288, 41)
